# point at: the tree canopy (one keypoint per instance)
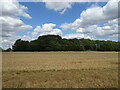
(56, 43)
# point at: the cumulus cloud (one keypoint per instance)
(108, 31)
(98, 14)
(89, 20)
(76, 24)
(9, 18)
(13, 8)
(10, 24)
(95, 15)
(105, 31)
(76, 35)
(114, 21)
(36, 31)
(99, 33)
(8, 42)
(10, 21)
(46, 29)
(61, 7)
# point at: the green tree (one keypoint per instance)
(56, 43)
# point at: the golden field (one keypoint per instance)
(60, 69)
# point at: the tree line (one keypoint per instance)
(56, 43)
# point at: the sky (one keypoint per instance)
(29, 20)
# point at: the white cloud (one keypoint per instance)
(106, 27)
(36, 31)
(66, 26)
(87, 17)
(111, 9)
(13, 8)
(56, 32)
(89, 20)
(114, 21)
(9, 41)
(11, 25)
(97, 32)
(26, 37)
(98, 14)
(76, 35)
(10, 21)
(53, 32)
(61, 7)
(107, 32)
(46, 29)
(94, 15)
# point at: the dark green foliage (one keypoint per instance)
(56, 43)
(8, 50)
(21, 45)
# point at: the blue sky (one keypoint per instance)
(44, 15)
(29, 20)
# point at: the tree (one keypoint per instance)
(56, 43)
(8, 50)
(21, 45)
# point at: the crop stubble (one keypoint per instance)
(60, 69)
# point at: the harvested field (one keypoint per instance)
(60, 69)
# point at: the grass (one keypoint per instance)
(60, 69)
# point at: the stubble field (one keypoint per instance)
(60, 69)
